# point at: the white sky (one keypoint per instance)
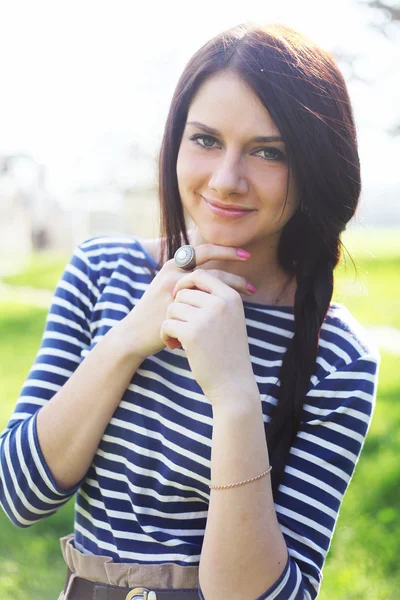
(79, 78)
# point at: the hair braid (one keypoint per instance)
(313, 265)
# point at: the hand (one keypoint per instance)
(207, 317)
(146, 318)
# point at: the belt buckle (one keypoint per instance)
(141, 593)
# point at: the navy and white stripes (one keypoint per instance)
(145, 497)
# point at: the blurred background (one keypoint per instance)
(85, 91)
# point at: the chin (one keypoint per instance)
(223, 236)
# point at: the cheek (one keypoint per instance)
(185, 172)
(180, 167)
(191, 169)
(283, 188)
(271, 185)
(274, 195)
(293, 201)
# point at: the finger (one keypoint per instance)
(238, 283)
(172, 329)
(203, 281)
(192, 297)
(207, 252)
(182, 311)
(172, 343)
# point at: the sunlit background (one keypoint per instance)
(85, 90)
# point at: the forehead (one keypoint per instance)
(225, 102)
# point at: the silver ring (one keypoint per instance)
(185, 258)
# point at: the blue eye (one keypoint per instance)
(204, 141)
(274, 154)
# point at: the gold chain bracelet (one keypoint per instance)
(230, 485)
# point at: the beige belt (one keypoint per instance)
(161, 579)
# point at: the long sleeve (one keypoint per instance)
(28, 491)
(336, 418)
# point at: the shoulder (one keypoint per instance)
(345, 381)
(97, 260)
(344, 341)
(105, 250)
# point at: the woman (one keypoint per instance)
(223, 401)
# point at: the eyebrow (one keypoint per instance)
(211, 131)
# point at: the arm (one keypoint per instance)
(63, 409)
(243, 555)
(76, 417)
(244, 551)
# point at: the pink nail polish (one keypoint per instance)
(251, 288)
(243, 253)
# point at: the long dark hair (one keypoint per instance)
(305, 93)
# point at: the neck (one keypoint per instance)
(274, 285)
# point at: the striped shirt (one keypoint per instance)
(145, 496)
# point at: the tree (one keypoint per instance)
(390, 11)
(386, 19)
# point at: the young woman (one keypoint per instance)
(200, 393)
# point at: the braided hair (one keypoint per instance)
(306, 96)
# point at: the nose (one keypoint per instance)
(228, 177)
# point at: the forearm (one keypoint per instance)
(70, 426)
(244, 551)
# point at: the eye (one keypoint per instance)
(272, 154)
(204, 141)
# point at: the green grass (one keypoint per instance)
(363, 560)
(42, 271)
(30, 558)
(371, 288)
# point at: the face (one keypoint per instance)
(231, 154)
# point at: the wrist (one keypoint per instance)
(237, 403)
(124, 340)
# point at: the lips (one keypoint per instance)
(227, 213)
(227, 206)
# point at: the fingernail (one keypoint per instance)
(243, 253)
(251, 288)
